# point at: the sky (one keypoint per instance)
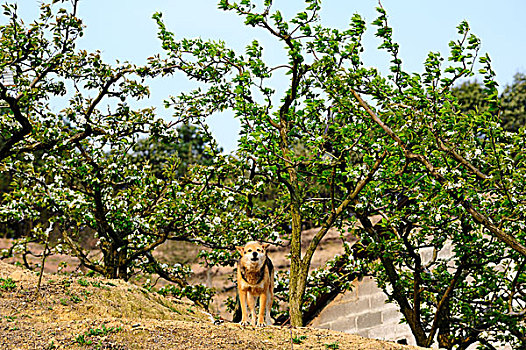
(123, 30)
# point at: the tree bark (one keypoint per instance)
(296, 295)
(297, 281)
(114, 258)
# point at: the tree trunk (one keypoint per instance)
(114, 257)
(122, 268)
(444, 331)
(297, 280)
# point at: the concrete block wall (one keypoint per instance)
(364, 312)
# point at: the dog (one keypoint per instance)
(255, 278)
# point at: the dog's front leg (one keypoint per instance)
(244, 312)
(251, 301)
(262, 308)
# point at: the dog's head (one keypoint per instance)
(253, 253)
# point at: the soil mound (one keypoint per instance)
(79, 312)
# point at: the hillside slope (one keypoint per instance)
(94, 313)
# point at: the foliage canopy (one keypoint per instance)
(435, 193)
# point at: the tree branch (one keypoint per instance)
(444, 300)
(476, 215)
(351, 198)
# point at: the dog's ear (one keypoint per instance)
(265, 246)
(241, 250)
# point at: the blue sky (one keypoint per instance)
(124, 30)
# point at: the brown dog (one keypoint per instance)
(255, 278)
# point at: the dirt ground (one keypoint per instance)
(78, 312)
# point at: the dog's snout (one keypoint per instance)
(255, 254)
